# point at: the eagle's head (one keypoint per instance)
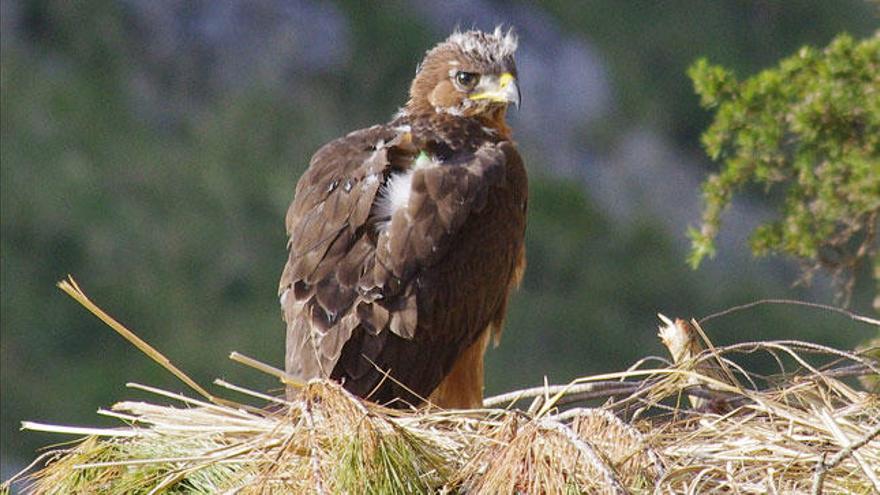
(470, 74)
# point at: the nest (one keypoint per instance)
(699, 423)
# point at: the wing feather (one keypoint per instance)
(328, 248)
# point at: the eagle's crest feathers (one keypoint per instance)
(494, 47)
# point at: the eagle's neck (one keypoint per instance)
(456, 133)
(495, 120)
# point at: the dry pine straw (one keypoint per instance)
(699, 424)
(782, 439)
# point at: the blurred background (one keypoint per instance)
(151, 148)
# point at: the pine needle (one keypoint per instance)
(72, 289)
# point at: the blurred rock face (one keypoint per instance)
(191, 50)
(230, 43)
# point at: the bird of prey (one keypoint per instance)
(406, 238)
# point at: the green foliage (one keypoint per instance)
(811, 127)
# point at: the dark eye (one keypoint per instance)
(467, 80)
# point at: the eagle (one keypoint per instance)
(406, 238)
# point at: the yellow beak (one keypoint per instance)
(498, 89)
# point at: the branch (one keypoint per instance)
(596, 389)
(792, 302)
(822, 467)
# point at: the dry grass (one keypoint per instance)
(806, 429)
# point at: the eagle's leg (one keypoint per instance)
(463, 386)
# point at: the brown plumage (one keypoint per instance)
(406, 238)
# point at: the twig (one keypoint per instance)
(227, 407)
(268, 398)
(598, 394)
(601, 389)
(848, 371)
(732, 400)
(77, 430)
(800, 345)
(633, 432)
(7, 485)
(285, 378)
(313, 454)
(792, 302)
(588, 452)
(822, 467)
(73, 290)
(843, 439)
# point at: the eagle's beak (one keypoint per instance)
(498, 89)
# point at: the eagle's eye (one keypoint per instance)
(466, 80)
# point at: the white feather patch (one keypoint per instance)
(395, 193)
(371, 179)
